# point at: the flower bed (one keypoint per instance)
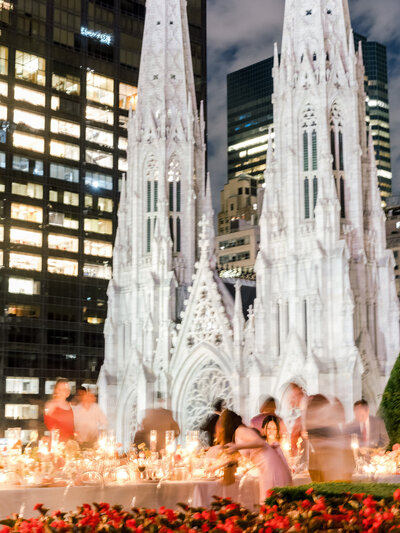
(303, 509)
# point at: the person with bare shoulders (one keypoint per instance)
(58, 411)
(270, 461)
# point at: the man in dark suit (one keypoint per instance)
(370, 429)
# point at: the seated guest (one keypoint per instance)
(89, 418)
(58, 412)
(370, 429)
(208, 426)
(268, 407)
(271, 429)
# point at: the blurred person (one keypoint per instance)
(267, 407)
(161, 420)
(370, 429)
(208, 426)
(88, 418)
(298, 403)
(58, 412)
(79, 393)
(328, 459)
(271, 429)
(270, 461)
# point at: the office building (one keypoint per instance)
(68, 75)
(250, 114)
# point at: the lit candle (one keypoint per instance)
(153, 440)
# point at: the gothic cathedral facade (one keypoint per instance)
(326, 311)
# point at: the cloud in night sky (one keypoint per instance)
(242, 32)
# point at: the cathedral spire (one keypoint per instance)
(166, 81)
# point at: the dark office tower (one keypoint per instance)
(68, 75)
(250, 114)
(376, 86)
(249, 117)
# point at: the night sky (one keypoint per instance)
(242, 32)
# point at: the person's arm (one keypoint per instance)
(248, 440)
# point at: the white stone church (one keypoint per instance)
(326, 311)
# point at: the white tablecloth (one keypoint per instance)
(145, 494)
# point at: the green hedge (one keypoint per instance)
(378, 490)
(390, 405)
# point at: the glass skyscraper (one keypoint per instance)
(68, 75)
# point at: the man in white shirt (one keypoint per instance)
(370, 429)
(88, 419)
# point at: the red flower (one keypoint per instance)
(269, 493)
(396, 495)
(205, 528)
(38, 506)
(310, 490)
(5, 529)
(306, 504)
(59, 524)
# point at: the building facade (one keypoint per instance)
(250, 114)
(68, 76)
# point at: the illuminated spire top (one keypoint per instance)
(166, 72)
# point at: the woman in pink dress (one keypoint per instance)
(270, 461)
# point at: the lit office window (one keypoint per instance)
(63, 242)
(30, 67)
(62, 149)
(64, 267)
(105, 204)
(96, 157)
(99, 181)
(21, 411)
(3, 88)
(1, 233)
(1, 258)
(33, 120)
(127, 96)
(71, 198)
(99, 115)
(97, 271)
(98, 225)
(65, 127)
(23, 286)
(94, 320)
(2, 160)
(25, 261)
(3, 60)
(105, 138)
(100, 89)
(122, 165)
(62, 220)
(29, 95)
(23, 164)
(88, 200)
(32, 190)
(55, 103)
(2, 185)
(63, 172)
(3, 112)
(24, 236)
(22, 385)
(98, 248)
(66, 84)
(122, 143)
(28, 142)
(21, 310)
(29, 213)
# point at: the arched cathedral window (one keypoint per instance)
(310, 161)
(174, 193)
(336, 132)
(151, 177)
